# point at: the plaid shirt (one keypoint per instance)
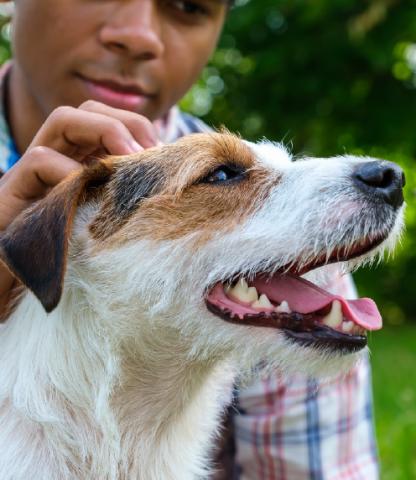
(297, 428)
(280, 428)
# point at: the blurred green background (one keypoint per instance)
(329, 77)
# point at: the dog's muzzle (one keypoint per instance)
(306, 313)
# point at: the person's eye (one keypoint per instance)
(224, 174)
(189, 7)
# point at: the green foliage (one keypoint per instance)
(328, 77)
(393, 360)
(4, 38)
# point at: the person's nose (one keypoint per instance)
(135, 29)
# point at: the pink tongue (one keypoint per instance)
(305, 297)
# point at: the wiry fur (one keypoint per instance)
(127, 378)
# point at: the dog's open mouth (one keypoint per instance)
(306, 313)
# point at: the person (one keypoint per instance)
(90, 77)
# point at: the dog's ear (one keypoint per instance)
(34, 247)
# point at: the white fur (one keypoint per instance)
(128, 376)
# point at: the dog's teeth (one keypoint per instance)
(252, 293)
(262, 302)
(242, 292)
(283, 308)
(347, 326)
(239, 291)
(334, 317)
(243, 283)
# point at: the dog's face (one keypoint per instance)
(207, 239)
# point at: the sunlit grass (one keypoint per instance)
(394, 377)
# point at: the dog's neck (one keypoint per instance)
(98, 405)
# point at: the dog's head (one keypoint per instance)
(209, 240)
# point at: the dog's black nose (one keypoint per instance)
(382, 179)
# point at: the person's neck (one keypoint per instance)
(24, 115)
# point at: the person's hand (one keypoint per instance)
(68, 137)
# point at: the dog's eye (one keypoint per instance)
(224, 174)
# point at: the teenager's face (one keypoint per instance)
(139, 55)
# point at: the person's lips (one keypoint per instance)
(127, 96)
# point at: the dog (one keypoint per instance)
(152, 281)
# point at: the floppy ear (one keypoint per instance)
(34, 247)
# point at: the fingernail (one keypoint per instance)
(154, 137)
(152, 141)
(135, 147)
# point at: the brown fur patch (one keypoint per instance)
(176, 202)
(10, 303)
(34, 247)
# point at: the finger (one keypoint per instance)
(139, 126)
(30, 179)
(75, 133)
(37, 171)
